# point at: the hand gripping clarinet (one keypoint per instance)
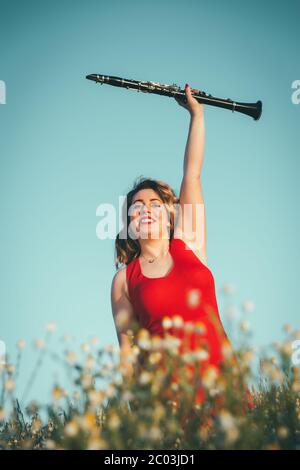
(251, 109)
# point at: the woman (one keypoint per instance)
(166, 272)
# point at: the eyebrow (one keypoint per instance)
(153, 199)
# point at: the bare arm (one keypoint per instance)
(192, 206)
(124, 317)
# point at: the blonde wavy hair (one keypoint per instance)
(126, 249)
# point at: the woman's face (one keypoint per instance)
(148, 215)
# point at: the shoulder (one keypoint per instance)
(191, 243)
(119, 281)
(119, 278)
(120, 274)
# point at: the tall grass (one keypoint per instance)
(153, 399)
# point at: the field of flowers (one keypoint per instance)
(146, 399)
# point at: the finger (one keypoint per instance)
(188, 91)
(180, 100)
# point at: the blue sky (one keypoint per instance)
(68, 145)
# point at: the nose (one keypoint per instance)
(145, 211)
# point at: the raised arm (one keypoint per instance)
(191, 224)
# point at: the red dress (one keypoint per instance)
(188, 290)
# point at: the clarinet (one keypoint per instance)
(250, 109)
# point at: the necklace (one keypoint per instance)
(151, 260)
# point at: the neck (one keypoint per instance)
(151, 248)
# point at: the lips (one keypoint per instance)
(146, 220)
